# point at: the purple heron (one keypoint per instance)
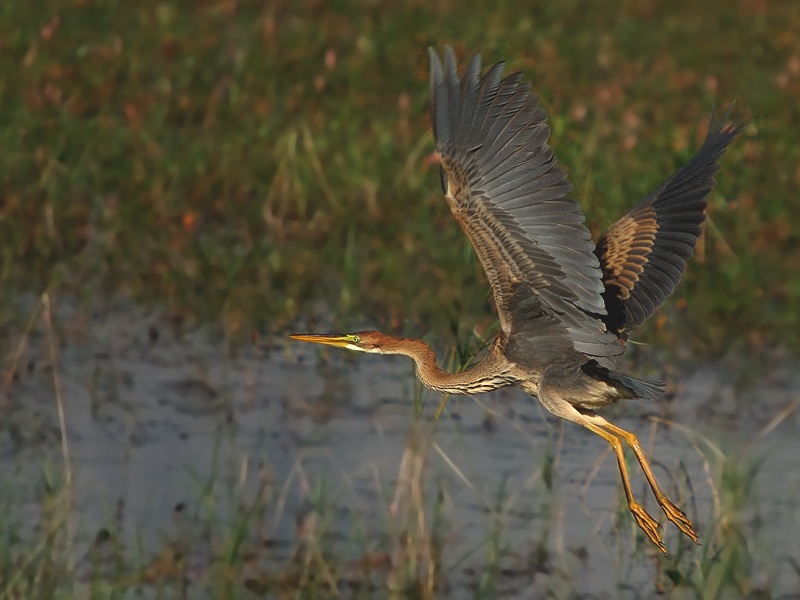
(565, 305)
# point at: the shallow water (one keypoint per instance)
(159, 419)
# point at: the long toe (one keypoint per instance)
(677, 516)
(647, 524)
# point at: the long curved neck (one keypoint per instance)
(493, 372)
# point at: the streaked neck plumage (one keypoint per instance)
(493, 372)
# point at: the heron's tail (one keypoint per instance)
(646, 389)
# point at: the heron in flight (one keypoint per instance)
(565, 304)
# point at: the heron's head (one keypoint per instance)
(363, 341)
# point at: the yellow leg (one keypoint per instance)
(645, 522)
(674, 514)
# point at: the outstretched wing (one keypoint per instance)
(644, 254)
(507, 194)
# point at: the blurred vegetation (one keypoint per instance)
(243, 160)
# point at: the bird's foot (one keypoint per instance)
(647, 524)
(677, 516)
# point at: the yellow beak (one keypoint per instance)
(339, 341)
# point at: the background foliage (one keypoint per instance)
(250, 161)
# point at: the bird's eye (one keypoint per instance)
(356, 339)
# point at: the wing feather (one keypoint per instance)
(643, 255)
(507, 193)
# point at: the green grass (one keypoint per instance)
(249, 161)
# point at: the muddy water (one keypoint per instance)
(158, 420)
